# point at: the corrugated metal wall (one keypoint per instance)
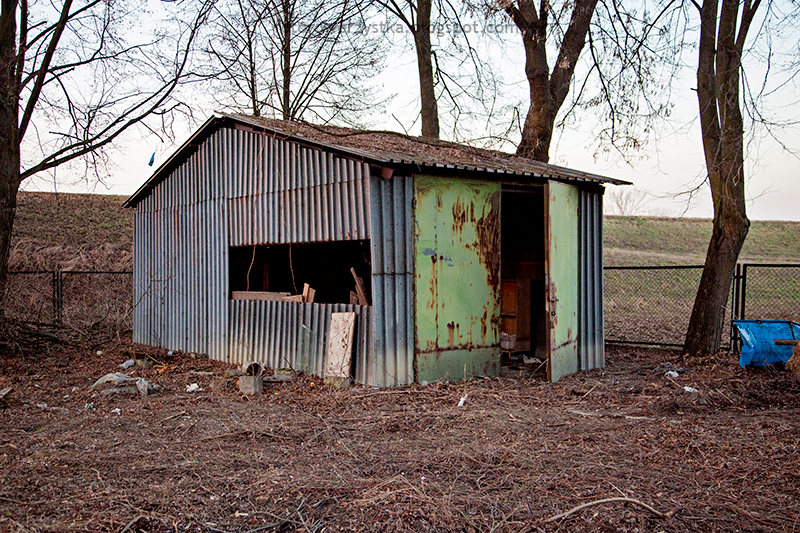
(590, 316)
(181, 258)
(243, 188)
(291, 335)
(281, 192)
(392, 283)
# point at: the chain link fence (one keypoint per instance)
(79, 300)
(767, 292)
(652, 304)
(649, 305)
(643, 305)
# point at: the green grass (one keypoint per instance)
(643, 241)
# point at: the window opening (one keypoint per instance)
(280, 270)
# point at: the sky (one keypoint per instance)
(663, 171)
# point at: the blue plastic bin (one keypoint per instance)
(758, 341)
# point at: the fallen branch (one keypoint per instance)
(136, 519)
(665, 516)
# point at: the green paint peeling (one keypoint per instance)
(457, 277)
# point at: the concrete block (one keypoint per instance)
(251, 384)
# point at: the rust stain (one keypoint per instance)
(437, 351)
(432, 300)
(460, 217)
(488, 230)
(451, 333)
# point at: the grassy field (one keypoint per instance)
(637, 241)
(72, 232)
(655, 305)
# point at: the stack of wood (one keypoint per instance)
(306, 297)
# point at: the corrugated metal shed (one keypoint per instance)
(241, 181)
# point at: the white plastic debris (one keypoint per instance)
(145, 387)
(690, 389)
(127, 364)
(194, 387)
(117, 411)
(672, 374)
(141, 385)
(462, 400)
(99, 352)
(170, 352)
(531, 360)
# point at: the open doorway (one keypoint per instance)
(522, 272)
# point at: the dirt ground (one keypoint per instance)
(720, 456)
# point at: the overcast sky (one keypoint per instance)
(666, 170)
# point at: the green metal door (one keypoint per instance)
(561, 275)
(457, 278)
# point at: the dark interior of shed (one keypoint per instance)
(285, 268)
(522, 243)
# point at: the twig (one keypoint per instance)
(136, 519)
(665, 516)
(588, 392)
(173, 416)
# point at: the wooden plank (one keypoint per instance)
(340, 345)
(308, 293)
(787, 342)
(362, 296)
(258, 295)
(353, 298)
(296, 298)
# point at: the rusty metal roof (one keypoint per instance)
(382, 148)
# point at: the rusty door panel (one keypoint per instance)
(561, 273)
(457, 277)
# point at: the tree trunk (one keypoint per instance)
(286, 61)
(537, 133)
(547, 90)
(422, 42)
(9, 137)
(707, 322)
(719, 62)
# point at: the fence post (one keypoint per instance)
(737, 297)
(59, 297)
(743, 297)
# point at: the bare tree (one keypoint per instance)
(627, 51)
(71, 83)
(724, 29)
(626, 202)
(295, 58)
(416, 16)
(450, 69)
